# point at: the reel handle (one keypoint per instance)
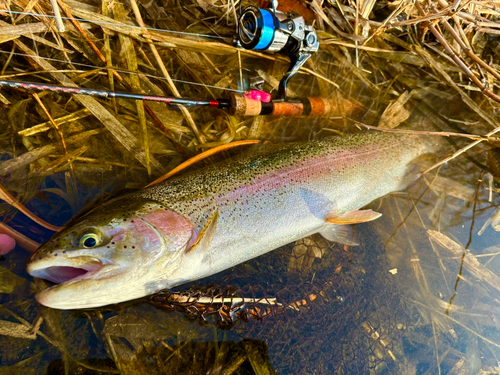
(296, 62)
(239, 105)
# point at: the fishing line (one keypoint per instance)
(119, 70)
(117, 24)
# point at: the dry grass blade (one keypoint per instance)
(62, 162)
(15, 330)
(466, 98)
(318, 9)
(479, 138)
(71, 183)
(121, 133)
(462, 150)
(130, 56)
(58, 121)
(8, 32)
(11, 165)
(107, 46)
(395, 113)
(80, 29)
(447, 317)
(185, 112)
(450, 187)
(457, 60)
(201, 45)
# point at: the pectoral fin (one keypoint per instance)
(204, 237)
(343, 234)
(353, 217)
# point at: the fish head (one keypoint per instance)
(120, 251)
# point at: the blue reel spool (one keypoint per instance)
(256, 29)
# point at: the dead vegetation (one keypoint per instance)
(431, 66)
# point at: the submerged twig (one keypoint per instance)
(8, 198)
(23, 241)
(470, 262)
(457, 60)
(57, 14)
(165, 73)
(424, 132)
(462, 150)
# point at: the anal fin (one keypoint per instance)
(343, 234)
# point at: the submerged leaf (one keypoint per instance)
(151, 325)
(15, 330)
(8, 281)
(396, 112)
(258, 357)
(305, 251)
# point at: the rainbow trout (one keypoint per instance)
(209, 220)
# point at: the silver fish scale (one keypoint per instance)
(196, 194)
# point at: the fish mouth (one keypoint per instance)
(66, 270)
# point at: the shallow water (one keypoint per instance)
(400, 303)
(395, 304)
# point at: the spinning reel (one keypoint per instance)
(287, 33)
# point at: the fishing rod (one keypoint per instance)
(252, 103)
(258, 29)
(221, 103)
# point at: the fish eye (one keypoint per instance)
(89, 240)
